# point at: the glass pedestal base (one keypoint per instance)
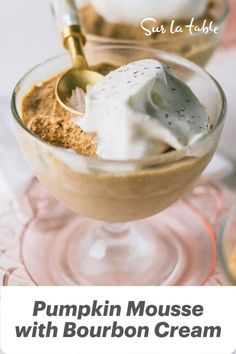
(175, 247)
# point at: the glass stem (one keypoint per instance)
(116, 229)
(115, 240)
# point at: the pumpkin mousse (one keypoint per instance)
(128, 157)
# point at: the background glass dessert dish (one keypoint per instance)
(198, 47)
(227, 246)
(147, 252)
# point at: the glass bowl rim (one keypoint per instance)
(147, 160)
(101, 40)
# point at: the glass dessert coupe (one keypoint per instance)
(197, 47)
(119, 240)
(227, 246)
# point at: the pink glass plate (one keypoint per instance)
(35, 229)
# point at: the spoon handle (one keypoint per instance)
(66, 13)
(68, 22)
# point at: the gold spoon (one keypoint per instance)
(80, 76)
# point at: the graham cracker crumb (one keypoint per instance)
(46, 118)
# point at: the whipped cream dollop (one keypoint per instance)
(142, 109)
(133, 11)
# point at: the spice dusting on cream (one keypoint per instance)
(142, 109)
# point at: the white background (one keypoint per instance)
(216, 312)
